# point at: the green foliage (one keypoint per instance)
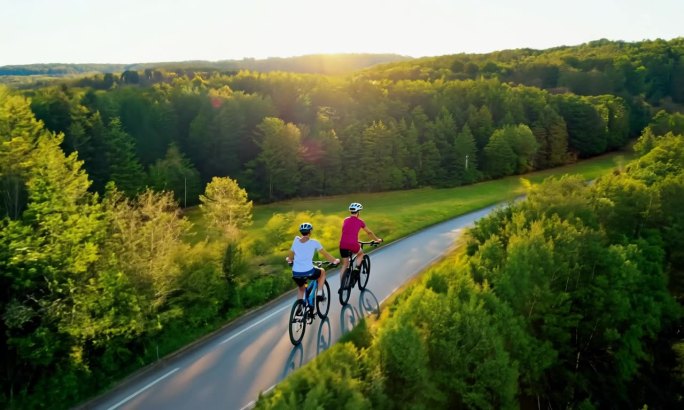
(663, 122)
(404, 361)
(63, 307)
(226, 207)
(464, 161)
(280, 230)
(203, 287)
(90, 282)
(124, 168)
(278, 160)
(552, 136)
(332, 381)
(559, 303)
(586, 129)
(146, 239)
(360, 336)
(500, 157)
(382, 133)
(175, 173)
(582, 267)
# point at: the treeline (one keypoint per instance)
(654, 69)
(314, 63)
(284, 135)
(558, 301)
(93, 287)
(100, 272)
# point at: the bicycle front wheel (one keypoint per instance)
(345, 287)
(323, 305)
(364, 272)
(297, 322)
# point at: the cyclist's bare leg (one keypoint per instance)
(345, 264)
(359, 259)
(300, 292)
(321, 282)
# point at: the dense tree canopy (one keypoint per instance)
(560, 300)
(577, 101)
(99, 268)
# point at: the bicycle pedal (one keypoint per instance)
(321, 298)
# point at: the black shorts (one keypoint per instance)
(301, 279)
(346, 253)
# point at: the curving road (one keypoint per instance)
(231, 368)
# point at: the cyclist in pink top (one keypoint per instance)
(349, 241)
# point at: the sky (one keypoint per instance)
(137, 31)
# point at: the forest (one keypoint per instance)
(97, 265)
(569, 299)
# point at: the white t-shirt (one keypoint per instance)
(304, 253)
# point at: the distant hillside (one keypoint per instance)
(316, 64)
(654, 68)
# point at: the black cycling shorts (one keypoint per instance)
(301, 278)
(346, 253)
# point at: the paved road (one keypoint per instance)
(232, 368)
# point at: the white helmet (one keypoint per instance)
(355, 207)
(305, 228)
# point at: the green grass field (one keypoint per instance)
(395, 214)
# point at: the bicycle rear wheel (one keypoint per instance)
(364, 272)
(297, 322)
(346, 288)
(323, 306)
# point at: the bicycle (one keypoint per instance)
(305, 310)
(351, 277)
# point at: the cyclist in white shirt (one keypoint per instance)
(301, 257)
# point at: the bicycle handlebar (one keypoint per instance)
(371, 243)
(320, 264)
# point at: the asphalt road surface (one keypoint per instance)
(231, 369)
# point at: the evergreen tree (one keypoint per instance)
(177, 174)
(481, 125)
(524, 144)
(279, 158)
(19, 131)
(463, 169)
(124, 169)
(499, 158)
(586, 130)
(444, 132)
(48, 264)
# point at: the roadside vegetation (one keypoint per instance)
(571, 298)
(101, 271)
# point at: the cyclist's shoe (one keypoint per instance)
(320, 298)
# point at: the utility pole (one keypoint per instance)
(466, 164)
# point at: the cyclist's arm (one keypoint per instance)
(372, 235)
(290, 256)
(328, 256)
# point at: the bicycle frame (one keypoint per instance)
(310, 293)
(350, 278)
(304, 310)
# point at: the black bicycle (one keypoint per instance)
(352, 277)
(305, 310)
